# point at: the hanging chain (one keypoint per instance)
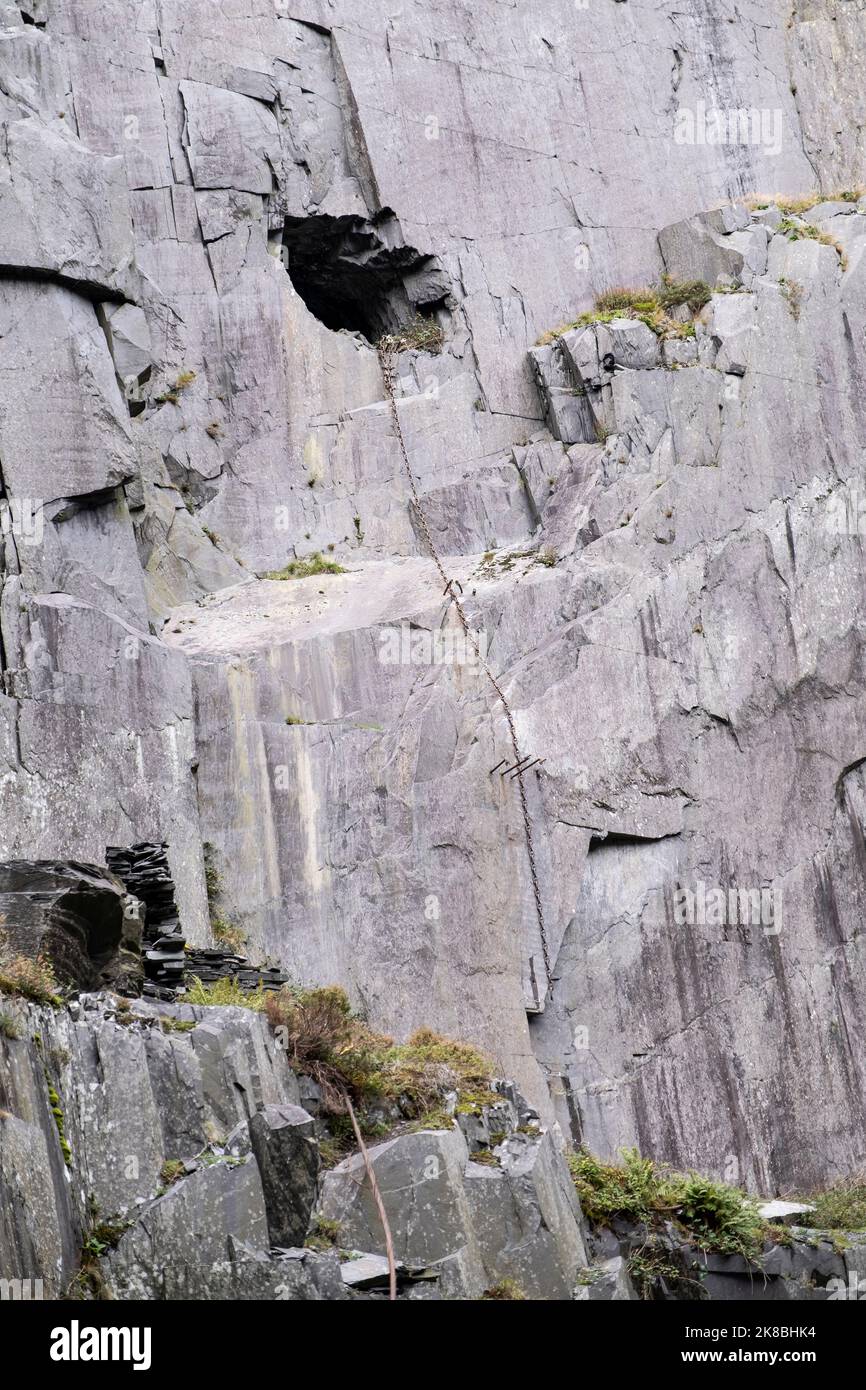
(385, 358)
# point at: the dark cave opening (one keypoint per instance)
(358, 275)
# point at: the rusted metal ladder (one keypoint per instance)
(452, 589)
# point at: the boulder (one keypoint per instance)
(421, 1178)
(170, 1250)
(700, 248)
(514, 1216)
(73, 914)
(526, 1218)
(283, 1140)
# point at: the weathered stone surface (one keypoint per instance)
(64, 211)
(784, 1212)
(608, 1282)
(476, 1224)
(418, 1174)
(134, 1088)
(527, 1218)
(178, 1238)
(283, 1141)
(72, 914)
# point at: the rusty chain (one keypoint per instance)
(386, 362)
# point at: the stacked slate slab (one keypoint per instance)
(144, 870)
(168, 962)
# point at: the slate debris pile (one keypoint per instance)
(210, 964)
(168, 963)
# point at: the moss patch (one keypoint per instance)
(57, 1112)
(506, 1291)
(324, 1234)
(804, 231)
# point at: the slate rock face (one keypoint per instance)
(666, 568)
(132, 1095)
(169, 1251)
(474, 1224)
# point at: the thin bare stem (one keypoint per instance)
(380, 1205)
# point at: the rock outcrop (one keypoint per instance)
(72, 915)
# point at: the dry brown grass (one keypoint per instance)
(324, 1039)
(27, 977)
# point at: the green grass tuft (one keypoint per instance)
(306, 568)
(652, 305)
(224, 992)
(841, 1208)
(506, 1291)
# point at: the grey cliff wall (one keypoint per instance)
(673, 602)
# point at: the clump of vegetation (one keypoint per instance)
(694, 294)
(177, 1025)
(213, 879)
(709, 1213)
(805, 231)
(324, 1039)
(9, 1026)
(421, 335)
(228, 934)
(324, 1235)
(506, 1291)
(793, 292)
(225, 932)
(224, 992)
(653, 305)
(841, 1208)
(306, 568)
(547, 556)
(57, 1112)
(26, 977)
(172, 395)
(651, 1266)
(171, 1171)
(795, 207)
(88, 1283)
